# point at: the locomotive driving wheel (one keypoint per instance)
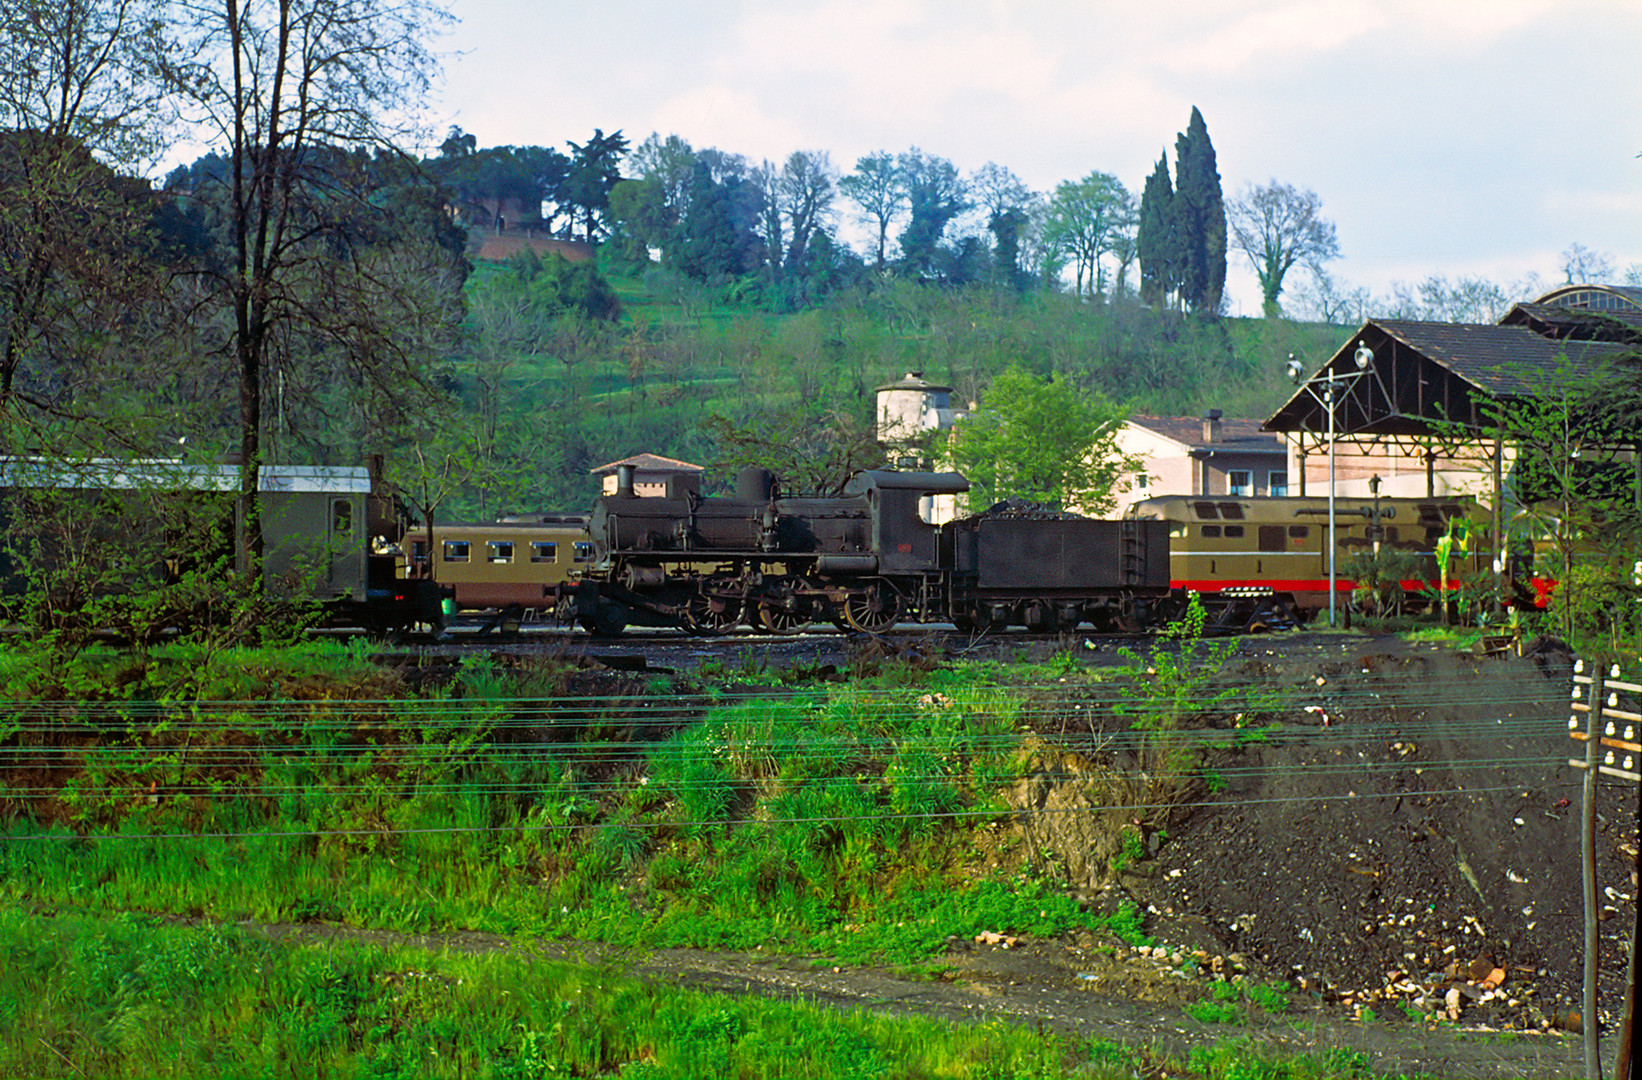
(711, 614)
(873, 611)
(778, 620)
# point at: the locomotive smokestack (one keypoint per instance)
(1211, 425)
(624, 480)
(753, 484)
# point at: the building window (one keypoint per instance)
(1277, 482)
(1143, 482)
(342, 517)
(1239, 482)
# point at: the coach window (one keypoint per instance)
(419, 553)
(499, 551)
(1211, 531)
(584, 551)
(544, 551)
(1231, 511)
(1277, 483)
(457, 550)
(1299, 532)
(1205, 510)
(1239, 482)
(1271, 538)
(1234, 530)
(341, 518)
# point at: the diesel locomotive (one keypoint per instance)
(863, 560)
(1239, 552)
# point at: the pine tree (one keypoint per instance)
(1200, 219)
(1155, 240)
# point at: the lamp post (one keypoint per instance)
(1324, 388)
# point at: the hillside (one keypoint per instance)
(552, 396)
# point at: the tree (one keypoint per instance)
(87, 71)
(1044, 442)
(1199, 220)
(1087, 219)
(810, 451)
(878, 189)
(1276, 226)
(1435, 298)
(1156, 244)
(935, 195)
(716, 238)
(81, 286)
(284, 88)
(1572, 430)
(594, 170)
(79, 276)
(1582, 266)
(1007, 203)
(803, 195)
(649, 207)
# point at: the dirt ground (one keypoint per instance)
(1406, 844)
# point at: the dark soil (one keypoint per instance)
(1406, 845)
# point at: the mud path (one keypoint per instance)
(1035, 985)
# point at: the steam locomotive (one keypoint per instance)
(863, 560)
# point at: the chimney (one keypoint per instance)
(1211, 425)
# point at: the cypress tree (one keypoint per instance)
(1200, 219)
(1155, 239)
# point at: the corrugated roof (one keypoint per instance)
(1582, 324)
(1506, 361)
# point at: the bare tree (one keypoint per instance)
(1276, 226)
(804, 191)
(287, 86)
(1327, 299)
(86, 70)
(1582, 266)
(79, 93)
(878, 189)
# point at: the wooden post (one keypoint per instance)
(1587, 857)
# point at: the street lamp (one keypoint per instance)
(1324, 388)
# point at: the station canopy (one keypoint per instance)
(1430, 384)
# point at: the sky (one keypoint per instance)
(1443, 136)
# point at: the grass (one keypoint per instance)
(135, 997)
(845, 821)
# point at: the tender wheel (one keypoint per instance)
(873, 611)
(712, 614)
(778, 620)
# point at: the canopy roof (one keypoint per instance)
(1434, 379)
